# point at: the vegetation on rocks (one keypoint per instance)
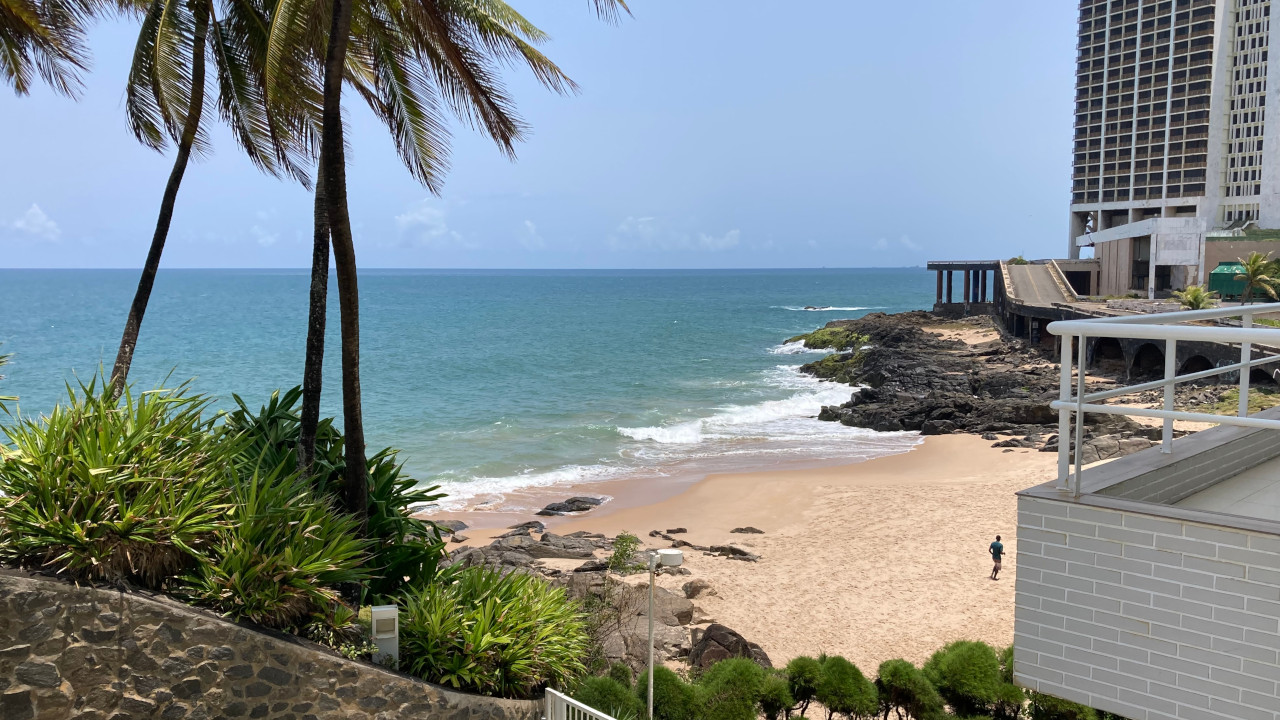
(833, 337)
(1197, 297)
(840, 367)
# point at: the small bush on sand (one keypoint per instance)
(903, 689)
(610, 697)
(803, 676)
(624, 559)
(775, 696)
(844, 690)
(731, 689)
(505, 635)
(967, 675)
(673, 698)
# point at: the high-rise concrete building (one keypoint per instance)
(1171, 139)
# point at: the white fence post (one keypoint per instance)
(1246, 355)
(1080, 383)
(562, 707)
(1064, 413)
(1170, 372)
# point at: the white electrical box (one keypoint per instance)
(385, 632)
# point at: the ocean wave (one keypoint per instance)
(796, 348)
(749, 421)
(826, 308)
(465, 492)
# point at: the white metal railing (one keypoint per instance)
(562, 707)
(1160, 326)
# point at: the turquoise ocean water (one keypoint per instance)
(492, 380)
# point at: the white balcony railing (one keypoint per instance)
(1169, 328)
(562, 707)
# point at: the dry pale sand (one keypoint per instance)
(968, 335)
(881, 559)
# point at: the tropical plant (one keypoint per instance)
(775, 696)
(282, 554)
(621, 672)
(673, 698)
(415, 57)
(1197, 297)
(165, 102)
(341, 628)
(1017, 260)
(610, 697)
(731, 689)
(128, 490)
(506, 635)
(403, 550)
(1259, 274)
(844, 690)
(905, 691)
(803, 676)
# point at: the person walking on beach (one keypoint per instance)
(996, 550)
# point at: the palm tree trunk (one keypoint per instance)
(313, 367)
(129, 340)
(333, 168)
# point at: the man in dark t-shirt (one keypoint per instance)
(997, 551)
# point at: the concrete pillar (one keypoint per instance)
(968, 288)
(939, 298)
(948, 287)
(1075, 231)
(982, 283)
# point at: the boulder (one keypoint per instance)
(572, 505)
(559, 546)
(531, 526)
(593, 565)
(677, 531)
(718, 643)
(734, 552)
(453, 526)
(748, 530)
(459, 538)
(697, 588)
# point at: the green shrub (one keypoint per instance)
(1048, 707)
(673, 698)
(622, 559)
(610, 697)
(731, 689)
(775, 696)
(123, 491)
(840, 367)
(621, 672)
(843, 689)
(967, 675)
(505, 635)
(803, 676)
(281, 555)
(404, 551)
(904, 689)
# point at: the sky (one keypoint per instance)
(707, 134)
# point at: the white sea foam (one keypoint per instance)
(796, 348)
(463, 494)
(826, 308)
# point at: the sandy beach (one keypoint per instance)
(880, 559)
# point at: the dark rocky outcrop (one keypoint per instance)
(572, 505)
(748, 530)
(718, 643)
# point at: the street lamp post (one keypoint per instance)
(666, 558)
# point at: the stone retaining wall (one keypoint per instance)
(68, 652)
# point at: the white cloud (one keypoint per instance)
(36, 224)
(426, 225)
(264, 237)
(530, 239)
(648, 233)
(902, 242)
(723, 242)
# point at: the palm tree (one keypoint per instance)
(44, 38)
(1259, 274)
(419, 55)
(1196, 297)
(165, 100)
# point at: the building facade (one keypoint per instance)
(1171, 141)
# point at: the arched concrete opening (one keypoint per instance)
(1195, 364)
(1108, 355)
(1148, 362)
(1262, 377)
